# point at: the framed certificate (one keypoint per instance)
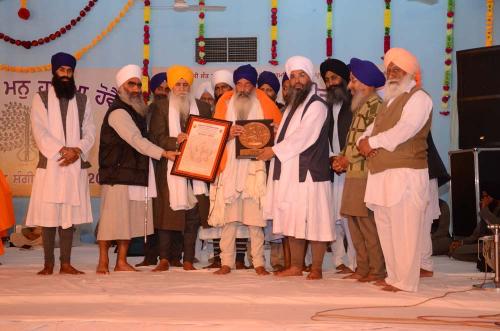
(258, 134)
(201, 153)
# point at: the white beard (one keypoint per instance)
(394, 88)
(182, 104)
(243, 105)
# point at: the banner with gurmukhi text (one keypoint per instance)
(18, 150)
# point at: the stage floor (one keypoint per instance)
(179, 300)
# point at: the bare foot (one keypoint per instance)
(278, 267)
(426, 273)
(315, 274)
(48, 269)
(369, 278)
(224, 270)
(162, 266)
(261, 271)
(188, 266)
(292, 271)
(353, 276)
(381, 283)
(214, 265)
(102, 268)
(390, 288)
(68, 269)
(342, 269)
(176, 263)
(124, 266)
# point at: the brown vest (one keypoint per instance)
(409, 154)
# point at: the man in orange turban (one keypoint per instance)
(397, 188)
(181, 204)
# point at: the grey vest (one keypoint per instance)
(81, 101)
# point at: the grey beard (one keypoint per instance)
(337, 94)
(297, 97)
(357, 101)
(243, 104)
(136, 102)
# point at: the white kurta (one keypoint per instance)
(122, 217)
(299, 209)
(52, 214)
(340, 226)
(432, 212)
(399, 196)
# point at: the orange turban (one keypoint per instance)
(176, 73)
(403, 59)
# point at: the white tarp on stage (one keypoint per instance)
(178, 300)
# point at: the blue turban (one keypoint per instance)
(62, 59)
(267, 77)
(156, 80)
(367, 72)
(284, 79)
(246, 71)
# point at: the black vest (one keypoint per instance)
(120, 163)
(315, 159)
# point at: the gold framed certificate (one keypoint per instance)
(201, 153)
(258, 134)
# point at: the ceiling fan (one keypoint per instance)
(182, 5)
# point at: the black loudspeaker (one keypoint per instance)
(472, 171)
(478, 97)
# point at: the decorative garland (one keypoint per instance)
(23, 12)
(387, 26)
(490, 18)
(274, 32)
(145, 61)
(445, 97)
(53, 36)
(78, 54)
(201, 33)
(329, 18)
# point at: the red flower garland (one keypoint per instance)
(53, 36)
(274, 33)
(145, 61)
(23, 12)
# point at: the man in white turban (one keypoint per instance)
(397, 188)
(125, 171)
(299, 190)
(222, 82)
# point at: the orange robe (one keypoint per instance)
(6, 209)
(269, 109)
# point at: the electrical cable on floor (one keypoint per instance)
(481, 321)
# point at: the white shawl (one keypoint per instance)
(62, 183)
(181, 195)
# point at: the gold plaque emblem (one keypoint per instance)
(256, 135)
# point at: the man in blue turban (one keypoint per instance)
(158, 85)
(270, 84)
(365, 78)
(64, 132)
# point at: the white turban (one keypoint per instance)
(204, 87)
(127, 72)
(299, 63)
(222, 76)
